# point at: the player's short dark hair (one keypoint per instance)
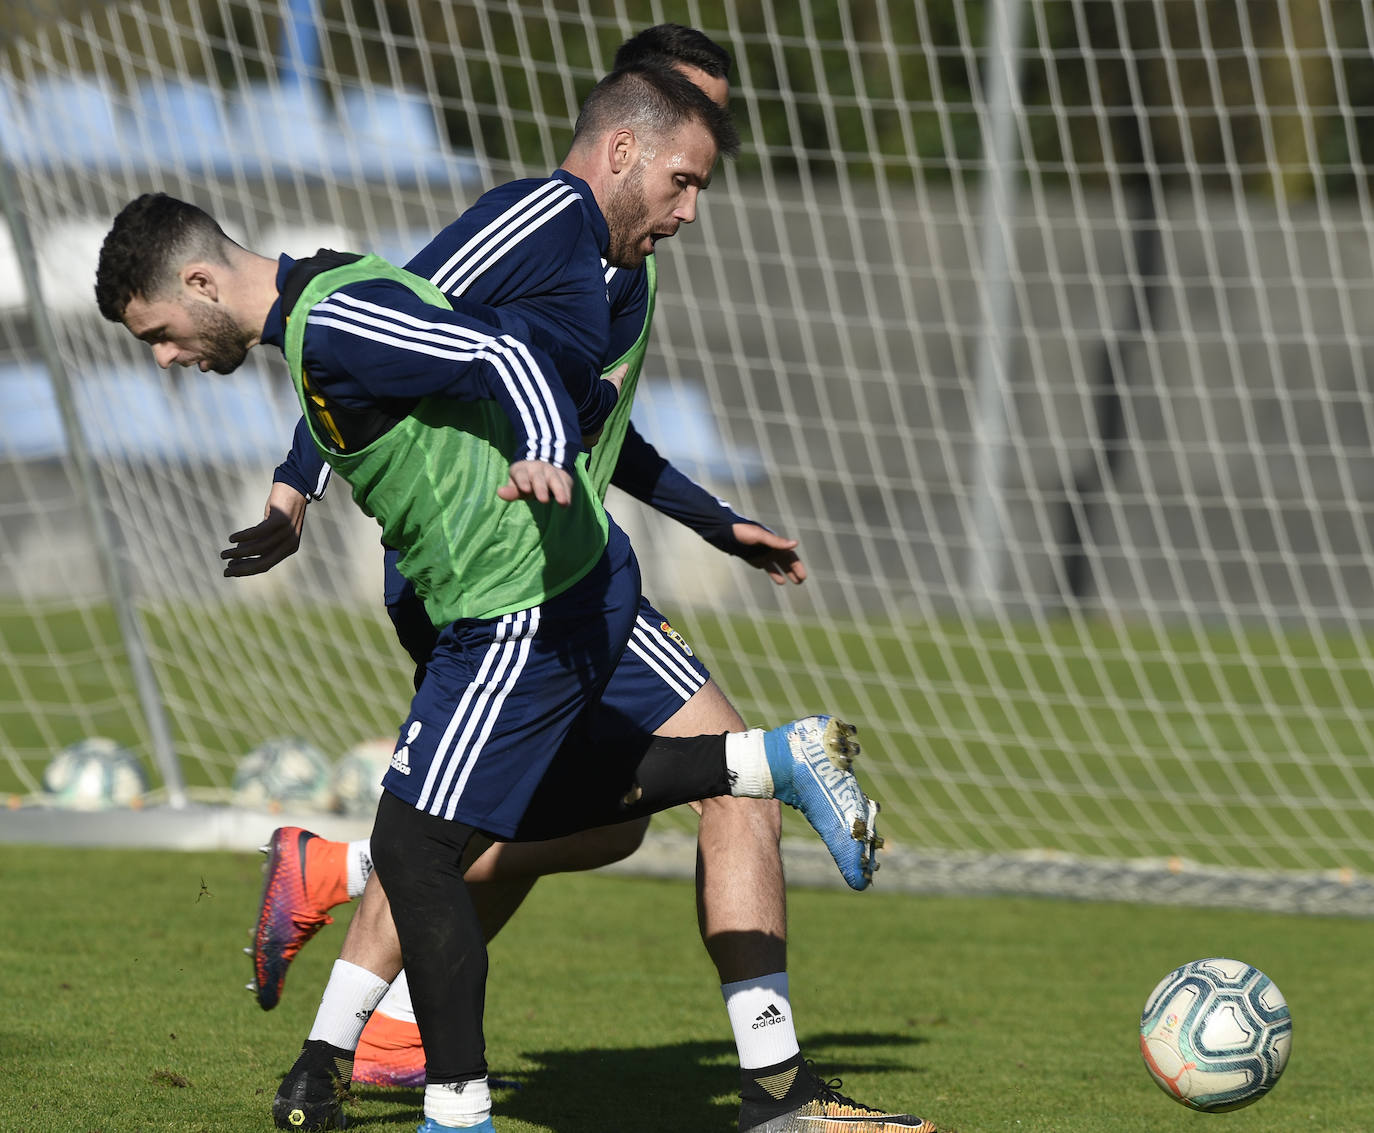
(151, 238)
(656, 99)
(669, 44)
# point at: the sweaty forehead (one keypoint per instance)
(691, 149)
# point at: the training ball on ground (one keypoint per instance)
(95, 774)
(358, 777)
(283, 774)
(1215, 1034)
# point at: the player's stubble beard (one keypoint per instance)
(224, 345)
(627, 217)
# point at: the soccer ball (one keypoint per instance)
(283, 773)
(358, 777)
(1215, 1034)
(95, 774)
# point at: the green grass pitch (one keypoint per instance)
(126, 1009)
(1090, 739)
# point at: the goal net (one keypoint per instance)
(1043, 326)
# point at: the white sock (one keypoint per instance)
(348, 1002)
(748, 765)
(460, 1105)
(396, 1004)
(761, 1017)
(359, 866)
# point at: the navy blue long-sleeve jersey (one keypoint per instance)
(529, 257)
(375, 349)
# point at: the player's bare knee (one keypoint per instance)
(706, 713)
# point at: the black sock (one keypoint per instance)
(606, 783)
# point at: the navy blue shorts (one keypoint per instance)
(587, 675)
(658, 673)
(500, 695)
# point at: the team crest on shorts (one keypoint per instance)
(676, 638)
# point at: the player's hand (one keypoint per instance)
(539, 480)
(617, 378)
(776, 555)
(258, 549)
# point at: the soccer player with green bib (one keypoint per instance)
(434, 418)
(742, 901)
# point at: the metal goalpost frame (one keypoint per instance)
(130, 627)
(994, 409)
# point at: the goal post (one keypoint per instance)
(1044, 326)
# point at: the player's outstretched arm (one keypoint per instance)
(259, 548)
(651, 478)
(773, 553)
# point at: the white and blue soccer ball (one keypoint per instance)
(283, 774)
(358, 777)
(95, 774)
(1215, 1034)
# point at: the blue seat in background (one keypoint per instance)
(184, 126)
(247, 416)
(399, 244)
(122, 413)
(284, 128)
(67, 120)
(30, 426)
(679, 421)
(394, 133)
(14, 127)
(377, 134)
(133, 414)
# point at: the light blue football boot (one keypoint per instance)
(432, 1126)
(809, 760)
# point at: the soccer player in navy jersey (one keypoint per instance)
(533, 588)
(741, 902)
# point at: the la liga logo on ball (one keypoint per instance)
(1215, 1034)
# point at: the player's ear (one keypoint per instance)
(622, 149)
(199, 279)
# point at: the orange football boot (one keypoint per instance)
(389, 1053)
(306, 876)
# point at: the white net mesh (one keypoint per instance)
(1045, 333)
